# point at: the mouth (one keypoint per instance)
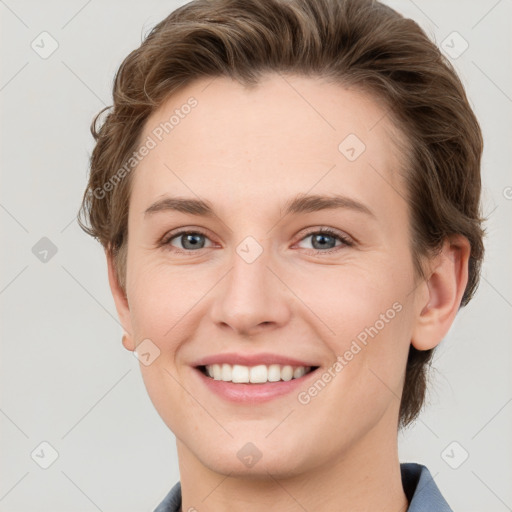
(258, 374)
(252, 385)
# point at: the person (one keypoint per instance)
(288, 196)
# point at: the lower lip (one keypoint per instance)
(252, 393)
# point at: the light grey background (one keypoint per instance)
(65, 377)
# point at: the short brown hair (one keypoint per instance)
(358, 43)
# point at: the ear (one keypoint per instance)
(121, 303)
(444, 290)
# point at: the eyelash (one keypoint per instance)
(166, 241)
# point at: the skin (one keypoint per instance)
(247, 152)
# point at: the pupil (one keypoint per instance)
(190, 239)
(321, 237)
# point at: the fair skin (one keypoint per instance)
(248, 152)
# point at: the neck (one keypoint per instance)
(365, 478)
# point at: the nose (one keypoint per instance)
(252, 298)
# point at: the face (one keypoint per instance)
(266, 275)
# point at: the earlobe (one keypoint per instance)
(446, 286)
(128, 342)
(121, 302)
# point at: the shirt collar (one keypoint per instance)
(421, 490)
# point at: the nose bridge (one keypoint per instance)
(251, 295)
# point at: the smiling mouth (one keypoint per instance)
(259, 374)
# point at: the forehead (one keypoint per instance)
(288, 133)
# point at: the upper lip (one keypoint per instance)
(265, 358)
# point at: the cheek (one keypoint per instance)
(366, 323)
(161, 299)
(350, 298)
(162, 310)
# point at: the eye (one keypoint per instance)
(189, 240)
(324, 240)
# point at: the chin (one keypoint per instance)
(256, 460)
(277, 466)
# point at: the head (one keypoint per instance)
(247, 106)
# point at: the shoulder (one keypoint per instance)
(421, 489)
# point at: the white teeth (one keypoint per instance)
(240, 373)
(226, 372)
(258, 374)
(255, 374)
(287, 373)
(299, 372)
(274, 373)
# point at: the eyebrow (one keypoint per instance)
(297, 205)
